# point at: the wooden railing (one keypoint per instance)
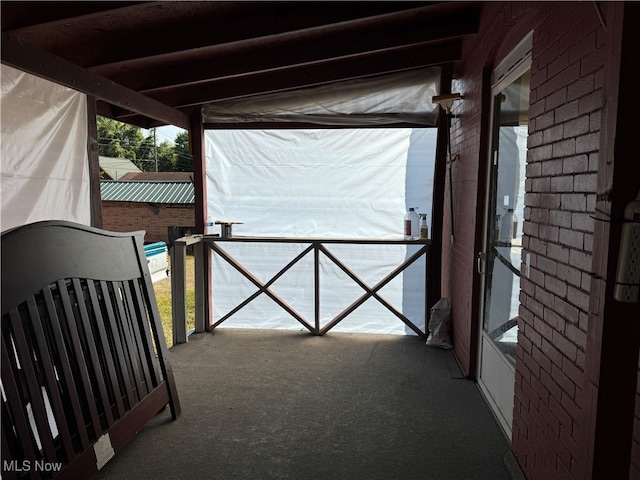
(205, 246)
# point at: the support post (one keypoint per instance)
(179, 291)
(94, 163)
(196, 142)
(201, 252)
(434, 256)
(204, 302)
(316, 283)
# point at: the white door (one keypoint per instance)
(502, 254)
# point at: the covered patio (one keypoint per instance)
(535, 196)
(284, 404)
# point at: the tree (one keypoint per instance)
(166, 157)
(121, 140)
(183, 159)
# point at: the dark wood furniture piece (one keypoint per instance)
(83, 356)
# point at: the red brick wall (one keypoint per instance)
(549, 435)
(549, 431)
(131, 216)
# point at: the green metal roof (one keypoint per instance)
(147, 191)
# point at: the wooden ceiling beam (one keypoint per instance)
(314, 74)
(17, 15)
(265, 58)
(233, 30)
(38, 62)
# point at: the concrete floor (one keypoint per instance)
(284, 404)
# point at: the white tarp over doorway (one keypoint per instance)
(346, 183)
(45, 170)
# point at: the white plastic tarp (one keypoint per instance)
(384, 100)
(347, 183)
(44, 173)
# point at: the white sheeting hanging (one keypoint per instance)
(324, 183)
(44, 173)
(347, 183)
(385, 100)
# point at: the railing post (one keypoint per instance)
(428, 275)
(201, 251)
(179, 291)
(316, 285)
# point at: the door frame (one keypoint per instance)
(515, 64)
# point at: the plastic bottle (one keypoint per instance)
(209, 228)
(424, 228)
(411, 225)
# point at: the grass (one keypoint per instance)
(163, 297)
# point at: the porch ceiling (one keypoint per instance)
(155, 63)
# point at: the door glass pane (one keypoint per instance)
(504, 242)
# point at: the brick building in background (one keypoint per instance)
(162, 205)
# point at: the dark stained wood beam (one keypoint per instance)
(434, 260)
(303, 125)
(20, 14)
(43, 64)
(316, 74)
(142, 121)
(197, 146)
(266, 58)
(274, 24)
(116, 113)
(229, 30)
(94, 163)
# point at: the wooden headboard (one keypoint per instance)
(83, 355)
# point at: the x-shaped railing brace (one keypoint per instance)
(318, 247)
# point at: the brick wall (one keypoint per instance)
(549, 435)
(549, 431)
(155, 220)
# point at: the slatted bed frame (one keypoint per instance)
(84, 361)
